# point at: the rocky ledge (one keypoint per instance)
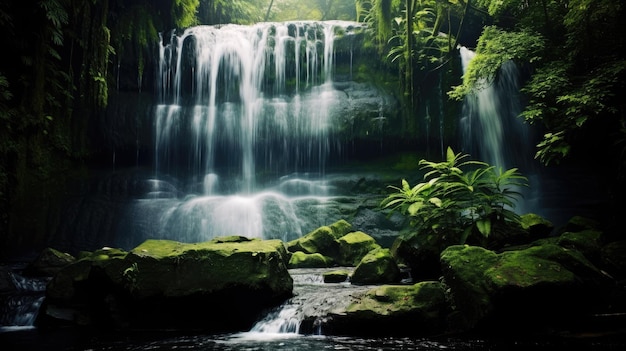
(220, 285)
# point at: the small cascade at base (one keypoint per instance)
(20, 301)
(313, 299)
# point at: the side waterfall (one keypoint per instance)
(493, 132)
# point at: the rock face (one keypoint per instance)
(220, 285)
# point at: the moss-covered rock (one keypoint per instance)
(536, 226)
(588, 242)
(420, 254)
(337, 276)
(354, 246)
(578, 223)
(394, 309)
(492, 290)
(463, 269)
(300, 259)
(49, 262)
(321, 240)
(377, 267)
(225, 283)
(340, 228)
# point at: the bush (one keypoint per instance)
(458, 197)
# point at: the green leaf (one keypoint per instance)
(415, 207)
(450, 156)
(484, 226)
(435, 201)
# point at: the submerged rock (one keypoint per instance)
(337, 276)
(220, 285)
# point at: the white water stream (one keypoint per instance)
(313, 299)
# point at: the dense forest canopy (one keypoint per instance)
(63, 58)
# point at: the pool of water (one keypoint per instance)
(32, 339)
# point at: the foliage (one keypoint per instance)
(495, 47)
(184, 12)
(55, 78)
(458, 197)
(230, 11)
(576, 77)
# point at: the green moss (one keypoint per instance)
(321, 240)
(586, 241)
(168, 248)
(338, 276)
(340, 228)
(425, 297)
(354, 246)
(377, 267)
(300, 259)
(521, 270)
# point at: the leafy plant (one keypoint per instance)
(130, 275)
(458, 197)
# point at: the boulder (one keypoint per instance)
(414, 310)
(338, 276)
(587, 241)
(354, 246)
(420, 254)
(321, 240)
(377, 267)
(48, 263)
(547, 284)
(536, 226)
(300, 259)
(578, 223)
(220, 285)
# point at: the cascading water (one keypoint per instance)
(20, 299)
(243, 127)
(492, 130)
(313, 300)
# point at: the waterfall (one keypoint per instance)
(245, 119)
(235, 100)
(491, 129)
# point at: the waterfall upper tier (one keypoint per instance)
(236, 101)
